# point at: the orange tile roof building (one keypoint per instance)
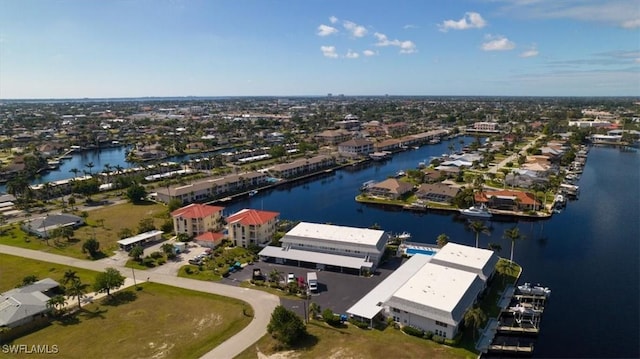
(508, 200)
(196, 219)
(250, 226)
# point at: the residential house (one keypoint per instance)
(355, 147)
(28, 304)
(508, 200)
(333, 137)
(196, 219)
(391, 188)
(252, 227)
(44, 226)
(437, 192)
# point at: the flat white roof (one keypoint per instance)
(328, 232)
(373, 302)
(435, 291)
(462, 257)
(139, 237)
(315, 257)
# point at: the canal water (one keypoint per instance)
(588, 254)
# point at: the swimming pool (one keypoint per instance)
(427, 252)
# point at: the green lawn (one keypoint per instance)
(351, 342)
(115, 218)
(155, 322)
(14, 268)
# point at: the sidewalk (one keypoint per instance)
(72, 302)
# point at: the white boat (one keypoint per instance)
(404, 235)
(477, 211)
(253, 193)
(527, 288)
(560, 199)
(400, 174)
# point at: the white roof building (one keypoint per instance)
(331, 246)
(431, 292)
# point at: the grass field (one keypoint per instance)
(351, 342)
(155, 322)
(13, 269)
(103, 223)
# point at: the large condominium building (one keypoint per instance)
(302, 166)
(196, 219)
(212, 187)
(250, 226)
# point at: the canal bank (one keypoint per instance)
(587, 254)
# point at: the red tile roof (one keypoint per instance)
(210, 237)
(525, 198)
(252, 217)
(196, 211)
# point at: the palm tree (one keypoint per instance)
(69, 276)
(442, 240)
(75, 172)
(474, 318)
(118, 169)
(478, 227)
(77, 290)
(90, 165)
(314, 310)
(275, 276)
(512, 234)
(57, 301)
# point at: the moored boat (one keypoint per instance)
(477, 211)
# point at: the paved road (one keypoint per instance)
(262, 303)
(514, 156)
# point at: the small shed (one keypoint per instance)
(179, 247)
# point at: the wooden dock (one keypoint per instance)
(518, 330)
(511, 349)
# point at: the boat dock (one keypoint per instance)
(517, 327)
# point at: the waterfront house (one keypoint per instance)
(252, 227)
(391, 188)
(433, 175)
(330, 247)
(391, 144)
(525, 179)
(212, 187)
(26, 305)
(302, 166)
(431, 293)
(437, 192)
(508, 200)
(196, 219)
(355, 147)
(333, 137)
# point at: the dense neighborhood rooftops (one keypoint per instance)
(327, 232)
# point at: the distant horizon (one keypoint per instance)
(326, 96)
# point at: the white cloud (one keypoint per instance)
(406, 47)
(368, 53)
(532, 52)
(325, 30)
(333, 19)
(498, 43)
(355, 29)
(329, 51)
(631, 24)
(471, 20)
(410, 26)
(352, 54)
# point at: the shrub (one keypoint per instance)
(330, 318)
(148, 262)
(412, 331)
(451, 342)
(161, 261)
(258, 282)
(156, 255)
(188, 270)
(428, 335)
(438, 339)
(358, 323)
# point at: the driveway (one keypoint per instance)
(263, 303)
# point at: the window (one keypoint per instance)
(441, 324)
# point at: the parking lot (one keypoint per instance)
(336, 291)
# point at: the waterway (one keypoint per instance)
(588, 254)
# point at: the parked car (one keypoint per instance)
(195, 261)
(291, 278)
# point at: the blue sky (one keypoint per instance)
(77, 49)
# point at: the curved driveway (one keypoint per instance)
(262, 303)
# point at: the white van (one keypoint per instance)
(312, 281)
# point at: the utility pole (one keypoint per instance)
(134, 278)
